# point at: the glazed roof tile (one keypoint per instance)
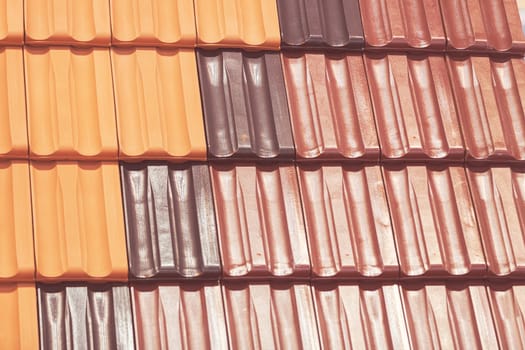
(508, 304)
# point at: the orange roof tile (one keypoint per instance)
(12, 22)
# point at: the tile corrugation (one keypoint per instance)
(172, 316)
(158, 104)
(268, 316)
(434, 223)
(67, 22)
(260, 222)
(508, 305)
(403, 25)
(360, 316)
(16, 232)
(245, 107)
(19, 322)
(78, 221)
(483, 26)
(170, 221)
(490, 96)
(12, 22)
(252, 25)
(153, 23)
(328, 24)
(499, 200)
(330, 108)
(85, 317)
(448, 316)
(414, 108)
(347, 220)
(521, 8)
(13, 127)
(70, 103)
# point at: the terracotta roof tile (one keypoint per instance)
(508, 304)
(78, 221)
(158, 104)
(12, 22)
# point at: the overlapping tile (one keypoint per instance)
(347, 222)
(19, 322)
(330, 107)
(12, 22)
(508, 305)
(67, 22)
(250, 24)
(403, 25)
(414, 108)
(360, 316)
(521, 8)
(490, 97)
(320, 24)
(483, 26)
(78, 221)
(158, 104)
(153, 23)
(245, 107)
(170, 316)
(70, 103)
(434, 223)
(85, 316)
(170, 221)
(260, 223)
(268, 316)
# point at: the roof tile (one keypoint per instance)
(508, 305)
(78, 221)
(158, 104)
(330, 107)
(12, 20)
(347, 221)
(260, 223)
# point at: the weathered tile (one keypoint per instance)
(19, 322)
(508, 305)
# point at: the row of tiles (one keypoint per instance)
(470, 25)
(259, 106)
(263, 316)
(267, 221)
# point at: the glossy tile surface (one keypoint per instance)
(158, 104)
(508, 304)
(12, 22)
(19, 322)
(330, 108)
(78, 221)
(245, 107)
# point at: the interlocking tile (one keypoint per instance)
(170, 221)
(85, 317)
(13, 127)
(508, 305)
(170, 316)
(414, 107)
(245, 107)
(12, 20)
(78, 221)
(483, 26)
(360, 317)
(490, 96)
(499, 200)
(250, 24)
(453, 316)
(153, 23)
(67, 22)
(260, 222)
(268, 316)
(330, 24)
(434, 223)
(19, 323)
(521, 7)
(70, 103)
(401, 25)
(347, 221)
(330, 107)
(158, 104)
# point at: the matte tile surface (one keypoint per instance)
(12, 19)
(508, 304)
(19, 323)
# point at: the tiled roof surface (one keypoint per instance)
(262, 174)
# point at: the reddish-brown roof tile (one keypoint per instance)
(245, 107)
(158, 104)
(12, 22)
(490, 96)
(414, 107)
(170, 221)
(260, 223)
(188, 316)
(434, 222)
(508, 306)
(403, 25)
(67, 22)
(347, 221)
(153, 23)
(330, 106)
(521, 8)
